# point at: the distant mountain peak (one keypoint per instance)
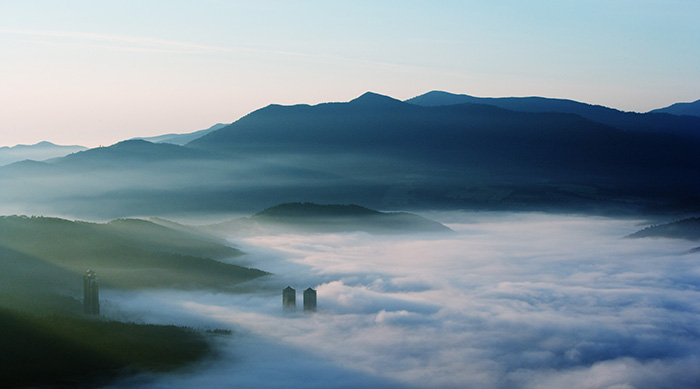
(374, 98)
(38, 152)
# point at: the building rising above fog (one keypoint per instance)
(91, 293)
(310, 300)
(289, 298)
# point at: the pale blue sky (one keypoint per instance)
(96, 72)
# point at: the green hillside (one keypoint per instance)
(48, 256)
(69, 351)
(46, 341)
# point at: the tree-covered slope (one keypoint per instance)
(310, 217)
(63, 351)
(53, 253)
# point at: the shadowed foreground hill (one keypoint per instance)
(310, 217)
(62, 351)
(44, 338)
(53, 253)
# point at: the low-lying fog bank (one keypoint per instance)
(510, 300)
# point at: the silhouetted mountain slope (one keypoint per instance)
(688, 127)
(305, 217)
(436, 133)
(691, 109)
(181, 139)
(683, 229)
(26, 167)
(129, 152)
(376, 151)
(38, 152)
(459, 142)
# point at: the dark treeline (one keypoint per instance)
(62, 351)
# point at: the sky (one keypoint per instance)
(95, 73)
(509, 300)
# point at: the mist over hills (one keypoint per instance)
(47, 342)
(182, 139)
(126, 254)
(464, 150)
(37, 152)
(391, 155)
(435, 151)
(129, 152)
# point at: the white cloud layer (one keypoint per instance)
(511, 300)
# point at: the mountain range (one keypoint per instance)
(668, 120)
(434, 151)
(692, 109)
(37, 152)
(182, 139)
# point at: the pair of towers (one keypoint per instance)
(289, 299)
(91, 293)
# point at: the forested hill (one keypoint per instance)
(311, 217)
(49, 256)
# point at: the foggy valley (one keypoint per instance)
(505, 255)
(525, 300)
(365, 194)
(498, 299)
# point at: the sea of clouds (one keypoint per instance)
(507, 301)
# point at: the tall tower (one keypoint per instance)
(91, 293)
(289, 299)
(310, 300)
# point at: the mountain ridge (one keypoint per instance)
(684, 126)
(380, 152)
(691, 109)
(181, 139)
(41, 151)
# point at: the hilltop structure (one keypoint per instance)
(289, 299)
(309, 300)
(91, 293)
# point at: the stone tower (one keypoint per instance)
(289, 299)
(91, 293)
(310, 300)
